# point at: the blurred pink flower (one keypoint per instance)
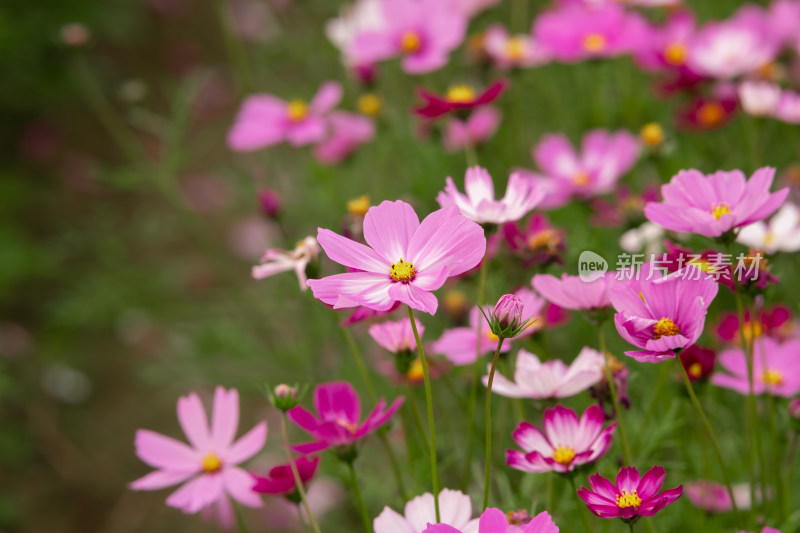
(784, 21)
(776, 368)
(571, 292)
(774, 321)
(759, 98)
(631, 497)
(667, 48)
(780, 234)
(276, 261)
(347, 132)
(460, 345)
(264, 120)
(698, 362)
(709, 496)
(354, 19)
(537, 243)
(513, 51)
(788, 107)
(280, 514)
(455, 509)
(208, 464)
(478, 128)
(396, 336)
(493, 520)
(280, 479)
(472, 7)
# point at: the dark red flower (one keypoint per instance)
(280, 479)
(698, 362)
(458, 97)
(706, 113)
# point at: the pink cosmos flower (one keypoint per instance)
(455, 509)
(667, 48)
(460, 345)
(776, 368)
(567, 442)
(479, 205)
(404, 261)
(705, 113)
(354, 19)
(780, 234)
(339, 422)
(714, 497)
(472, 7)
(478, 128)
(458, 97)
(759, 98)
(551, 379)
(715, 204)
(397, 336)
(575, 31)
(493, 520)
(788, 108)
(276, 261)
(775, 321)
(605, 157)
(348, 131)
(280, 479)
(537, 243)
(264, 120)
(513, 51)
(784, 20)
(208, 463)
(424, 32)
(571, 292)
(663, 315)
(631, 497)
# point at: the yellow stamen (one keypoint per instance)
(346, 424)
(675, 54)
(652, 134)
(492, 337)
(415, 374)
(410, 42)
(369, 104)
(515, 48)
(581, 178)
(461, 94)
(547, 238)
(358, 206)
(711, 114)
(695, 370)
(402, 271)
(720, 209)
(563, 455)
(594, 42)
(211, 463)
(752, 329)
(297, 110)
(772, 377)
(665, 328)
(626, 499)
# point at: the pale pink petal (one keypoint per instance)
(198, 493)
(193, 420)
(248, 445)
(307, 131)
(414, 297)
(160, 451)
(389, 228)
(225, 418)
(328, 97)
(162, 478)
(447, 238)
(239, 484)
(390, 521)
(352, 254)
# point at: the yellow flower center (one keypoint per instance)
(769, 237)
(695, 370)
(515, 48)
(410, 42)
(702, 265)
(772, 377)
(211, 463)
(581, 178)
(665, 328)
(547, 238)
(415, 374)
(720, 209)
(675, 54)
(652, 134)
(402, 271)
(358, 206)
(346, 424)
(711, 114)
(752, 329)
(297, 110)
(594, 42)
(369, 104)
(563, 455)
(491, 336)
(461, 94)
(626, 499)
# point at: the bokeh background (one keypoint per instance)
(128, 229)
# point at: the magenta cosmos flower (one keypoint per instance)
(571, 292)
(339, 417)
(348, 131)
(455, 509)
(776, 368)
(667, 48)
(567, 442)
(404, 261)
(551, 379)
(458, 97)
(631, 497)
(264, 120)
(662, 315)
(424, 32)
(396, 336)
(604, 158)
(208, 463)
(280, 479)
(715, 204)
(494, 520)
(479, 204)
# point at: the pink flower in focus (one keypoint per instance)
(776, 368)
(404, 261)
(339, 422)
(280, 479)
(513, 51)
(631, 497)
(208, 462)
(460, 345)
(479, 205)
(264, 120)
(455, 509)
(397, 336)
(424, 32)
(348, 131)
(458, 98)
(478, 128)
(715, 204)
(571, 292)
(276, 261)
(493, 520)
(605, 157)
(566, 444)
(551, 379)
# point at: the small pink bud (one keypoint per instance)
(270, 203)
(284, 391)
(508, 312)
(74, 34)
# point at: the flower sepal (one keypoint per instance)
(285, 397)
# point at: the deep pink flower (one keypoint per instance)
(715, 204)
(605, 157)
(270, 202)
(494, 520)
(567, 442)
(631, 497)
(404, 261)
(571, 292)
(280, 479)
(704, 113)
(772, 321)
(339, 418)
(551, 379)
(667, 46)
(537, 243)
(479, 204)
(208, 462)
(424, 32)
(776, 368)
(511, 51)
(459, 97)
(264, 120)
(478, 128)
(397, 336)
(348, 131)
(698, 362)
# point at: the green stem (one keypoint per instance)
(412, 402)
(588, 525)
(362, 509)
(429, 402)
(623, 434)
(788, 482)
(662, 378)
(297, 481)
(712, 438)
(241, 525)
(630, 526)
(300, 518)
(488, 471)
(469, 151)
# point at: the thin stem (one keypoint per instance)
(623, 434)
(662, 378)
(362, 509)
(412, 402)
(241, 525)
(588, 525)
(469, 151)
(787, 483)
(298, 483)
(429, 402)
(300, 517)
(488, 471)
(630, 526)
(712, 438)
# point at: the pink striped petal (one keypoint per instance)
(193, 420)
(225, 418)
(160, 451)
